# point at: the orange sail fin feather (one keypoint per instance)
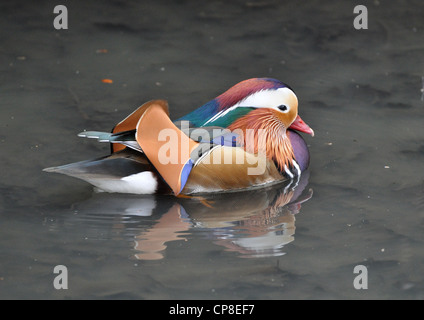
(153, 123)
(130, 123)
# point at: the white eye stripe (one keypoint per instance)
(270, 99)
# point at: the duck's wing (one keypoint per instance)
(167, 147)
(153, 136)
(211, 135)
(130, 122)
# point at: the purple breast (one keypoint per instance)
(300, 149)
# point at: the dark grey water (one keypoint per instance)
(360, 90)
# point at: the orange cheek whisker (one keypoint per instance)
(273, 137)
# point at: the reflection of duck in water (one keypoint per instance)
(254, 223)
(244, 138)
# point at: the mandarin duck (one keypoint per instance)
(244, 138)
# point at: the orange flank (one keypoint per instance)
(107, 80)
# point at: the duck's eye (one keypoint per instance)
(283, 108)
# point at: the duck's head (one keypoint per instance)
(260, 95)
(264, 103)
